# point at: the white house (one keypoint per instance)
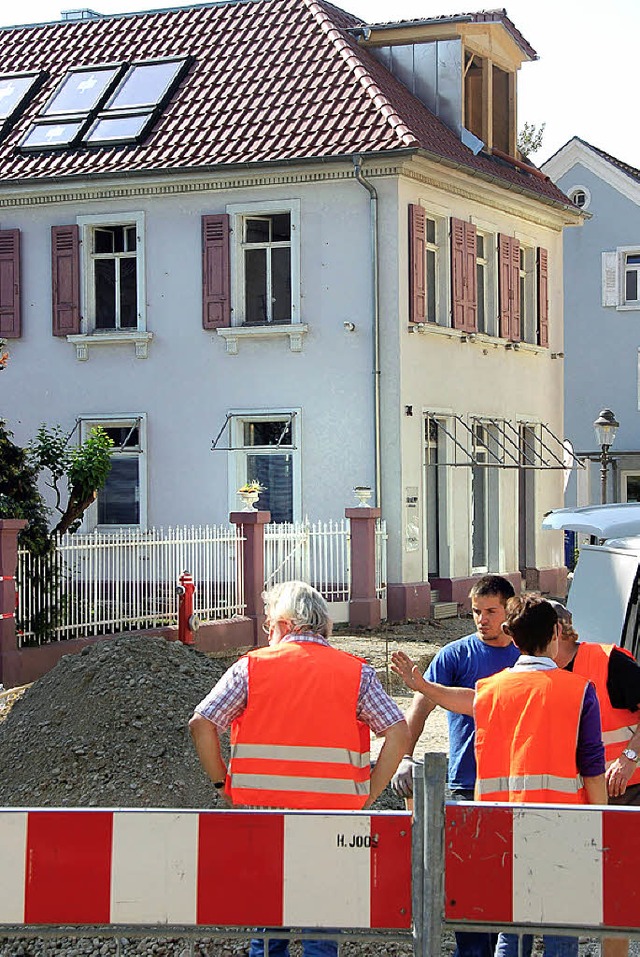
(266, 240)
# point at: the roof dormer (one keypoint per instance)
(464, 68)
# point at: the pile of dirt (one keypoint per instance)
(108, 728)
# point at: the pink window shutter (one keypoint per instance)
(470, 278)
(417, 264)
(216, 274)
(514, 333)
(458, 284)
(504, 285)
(10, 321)
(543, 297)
(65, 275)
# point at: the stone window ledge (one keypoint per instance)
(83, 342)
(233, 335)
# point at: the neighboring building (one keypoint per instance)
(307, 241)
(601, 307)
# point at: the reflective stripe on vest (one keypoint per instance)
(283, 752)
(618, 724)
(530, 782)
(279, 782)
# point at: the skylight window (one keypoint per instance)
(104, 104)
(80, 92)
(16, 90)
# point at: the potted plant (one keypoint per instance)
(250, 493)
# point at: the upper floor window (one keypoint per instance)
(427, 275)
(113, 272)
(580, 196)
(116, 103)
(631, 273)
(265, 263)
(16, 91)
(489, 102)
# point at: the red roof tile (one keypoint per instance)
(270, 80)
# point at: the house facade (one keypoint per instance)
(268, 241)
(602, 304)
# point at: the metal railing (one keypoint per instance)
(316, 552)
(107, 582)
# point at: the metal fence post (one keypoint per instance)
(435, 772)
(417, 860)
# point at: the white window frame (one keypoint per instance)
(238, 213)
(614, 274)
(528, 301)
(489, 262)
(237, 464)
(87, 225)
(440, 249)
(578, 188)
(624, 477)
(491, 500)
(127, 420)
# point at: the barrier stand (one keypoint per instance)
(430, 819)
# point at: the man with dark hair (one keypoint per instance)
(459, 665)
(538, 733)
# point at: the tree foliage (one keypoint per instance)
(84, 467)
(19, 494)
(74, 473)
(530, 138)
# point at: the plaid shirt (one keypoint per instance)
(228, 699)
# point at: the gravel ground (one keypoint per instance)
(108, 728)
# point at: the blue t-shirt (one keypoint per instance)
(460, 665)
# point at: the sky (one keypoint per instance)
(588, 52)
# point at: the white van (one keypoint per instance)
(603, 597)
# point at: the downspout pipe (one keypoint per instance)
(375, 300)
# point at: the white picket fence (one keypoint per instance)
(103, 583)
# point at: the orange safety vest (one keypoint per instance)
(527, 725)
(618, 724)
(298, 744)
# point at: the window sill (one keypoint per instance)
(480, 338)
(83, 342)
(233, 335)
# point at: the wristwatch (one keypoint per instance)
(631, 754)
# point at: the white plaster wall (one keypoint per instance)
(188, 382)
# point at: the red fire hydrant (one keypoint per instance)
(188, 622)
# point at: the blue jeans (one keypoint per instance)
(280, 948)
(553, 946)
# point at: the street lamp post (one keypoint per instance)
(605, 427)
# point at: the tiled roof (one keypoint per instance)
(624, 167)
(271, 81)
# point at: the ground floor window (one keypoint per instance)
(121, 502)
(484, 499)
(266, 449)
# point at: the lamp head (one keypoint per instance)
(605, 427)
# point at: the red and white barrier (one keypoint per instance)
(216, 868)
(537, 864)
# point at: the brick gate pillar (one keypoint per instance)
(9, 654)
(364, 605)
(251, 525)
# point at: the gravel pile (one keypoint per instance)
(108, 728)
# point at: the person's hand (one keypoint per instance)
(402, 780)
(617, 775)
(404, 666)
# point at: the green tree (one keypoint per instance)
(83, 467)
(530, 138)
(19, 494)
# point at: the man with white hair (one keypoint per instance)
(300, 713)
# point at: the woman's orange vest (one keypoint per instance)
(527, 725)
(298, 744)
(618, 724)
